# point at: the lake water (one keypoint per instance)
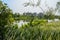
(20, 23)
(55, 20)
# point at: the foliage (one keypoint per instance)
(36, 29)
(47, 31)
(58, 6)
(11, 32)
(37, 22)
(6, 18)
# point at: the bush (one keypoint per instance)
(41, 22)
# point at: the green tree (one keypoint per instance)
(49, 14)
(6, 17)
(58, 6)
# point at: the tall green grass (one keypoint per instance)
(45, 31)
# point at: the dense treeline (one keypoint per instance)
(37, 29)
(29, 16)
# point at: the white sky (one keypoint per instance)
(17, 5)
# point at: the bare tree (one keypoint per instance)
(31, 3)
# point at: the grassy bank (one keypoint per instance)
(40, 30)
(46, 31)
